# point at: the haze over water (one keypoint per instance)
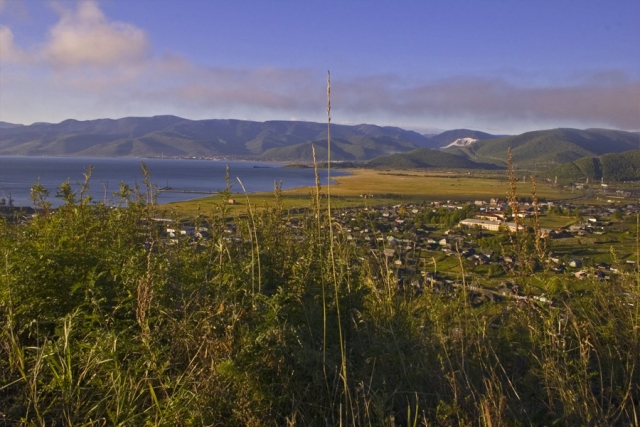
(18, 174)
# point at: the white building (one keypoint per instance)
(489, 225)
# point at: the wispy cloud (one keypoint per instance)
(597, 99)
(277, 89)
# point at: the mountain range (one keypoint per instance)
(172, 136)
(295, 141)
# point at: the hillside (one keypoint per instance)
(548, 148)
(354, 148)
(612, 167)
(174, 136)
(425, 158)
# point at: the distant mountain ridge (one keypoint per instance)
(174, 136)
(292, 141)
(5, 125)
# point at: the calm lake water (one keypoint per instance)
(18, 174)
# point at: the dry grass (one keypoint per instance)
(388, 187)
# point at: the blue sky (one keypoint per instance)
(497, 66)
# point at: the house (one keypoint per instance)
(188, 230)
(487, 253)
(581, 274)
(575, 263)
(485, 224)
(389, 253)
(491, 216)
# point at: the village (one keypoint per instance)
(443, 246)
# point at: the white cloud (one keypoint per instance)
(9, 51)
(86, 37)
(82, 40)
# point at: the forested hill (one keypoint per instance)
(546, 149)
(354, 148)
(611, 167)
(423, 158)
(175, 136)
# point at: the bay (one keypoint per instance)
(18, 174)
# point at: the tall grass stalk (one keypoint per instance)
(516, 238)
(317, 213)
(540, 243)
(253, 237)
(336, 285)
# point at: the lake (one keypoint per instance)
(18, 174)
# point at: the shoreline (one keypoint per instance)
(186, 181)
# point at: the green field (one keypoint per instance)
(388, 188)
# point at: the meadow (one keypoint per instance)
(386, 188)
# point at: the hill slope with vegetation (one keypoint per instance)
(354, 148)
(611, 167)
(425, 158)
(548, 148)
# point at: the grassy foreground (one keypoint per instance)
(105, 323)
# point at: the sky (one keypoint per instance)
(503, 67)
